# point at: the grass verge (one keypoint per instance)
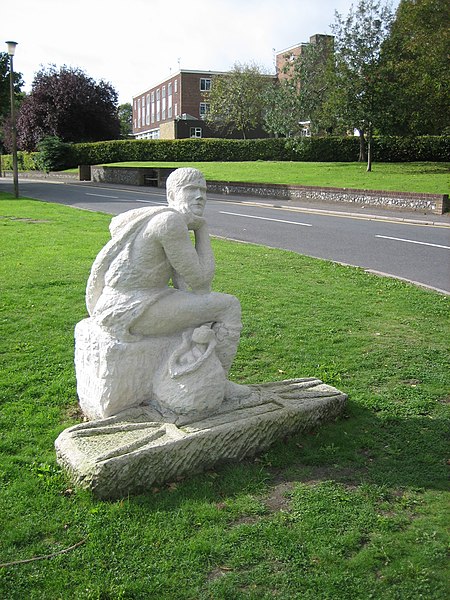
(354, 510)
(423, 177)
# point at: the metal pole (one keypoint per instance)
(14, 133)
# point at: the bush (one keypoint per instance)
(54, 154)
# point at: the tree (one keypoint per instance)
(357, 91)
(70, 105)
(282, 110)
(236, 99)
(415, 67)
(5, 100)
(125, 118)
(302, 92)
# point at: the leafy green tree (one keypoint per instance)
(416, 69)
(357, 90)
(70, 105)
(125, 113)
(5, 101)
(282, 110)
(237, 99)
(301, 95)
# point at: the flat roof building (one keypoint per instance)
(175, 107)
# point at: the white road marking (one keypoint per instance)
(386, 237)
(155, 202)
(102, 196)
(224, 212)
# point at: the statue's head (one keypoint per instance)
(186, 192)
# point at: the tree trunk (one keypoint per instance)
(362, 146)
(369, 148)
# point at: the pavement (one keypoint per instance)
(351, 210)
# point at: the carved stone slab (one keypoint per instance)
(131, 452)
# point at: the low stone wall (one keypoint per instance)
(131, 175)
(435, 203)
(58, 175)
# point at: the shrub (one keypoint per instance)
(54, 154)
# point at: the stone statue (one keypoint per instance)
(152, 360)
(150, 289)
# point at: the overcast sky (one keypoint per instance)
(133, 44)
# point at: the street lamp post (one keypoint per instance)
(11, 50)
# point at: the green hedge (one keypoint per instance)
(26, 161)
(196, 150)
(412, 149)
(326, 149)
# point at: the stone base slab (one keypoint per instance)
(133, 451)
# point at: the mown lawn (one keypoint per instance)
(357, 509)
(425, 177)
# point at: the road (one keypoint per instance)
(415, 252)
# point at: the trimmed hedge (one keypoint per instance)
(26, 161)
(196, 150)
(325, 149)
(412, 149)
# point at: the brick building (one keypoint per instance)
(174, 108)
(284, 58)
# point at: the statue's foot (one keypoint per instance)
(234, 391)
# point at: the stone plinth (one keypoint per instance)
(131, 452)
(113, 375)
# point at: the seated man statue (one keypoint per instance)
(129, 293)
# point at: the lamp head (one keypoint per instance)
(11, 47)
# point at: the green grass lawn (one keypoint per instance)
(357, 509)
(425, 177)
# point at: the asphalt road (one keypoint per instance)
(416, 252)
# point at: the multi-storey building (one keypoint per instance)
(174, 108)
(285, 58)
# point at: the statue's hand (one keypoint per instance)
(197, 224)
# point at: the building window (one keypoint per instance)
(163, 116)
(143, 111)
(169, 101)
(147, 116)
(204, 109)
(175, 84)
(205, 85)
(158, 105)
(176, 109)
(153, 106)
(195, 132)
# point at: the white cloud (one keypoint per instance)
(136, 43)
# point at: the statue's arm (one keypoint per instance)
(194, 266)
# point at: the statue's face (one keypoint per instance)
(190, 199)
